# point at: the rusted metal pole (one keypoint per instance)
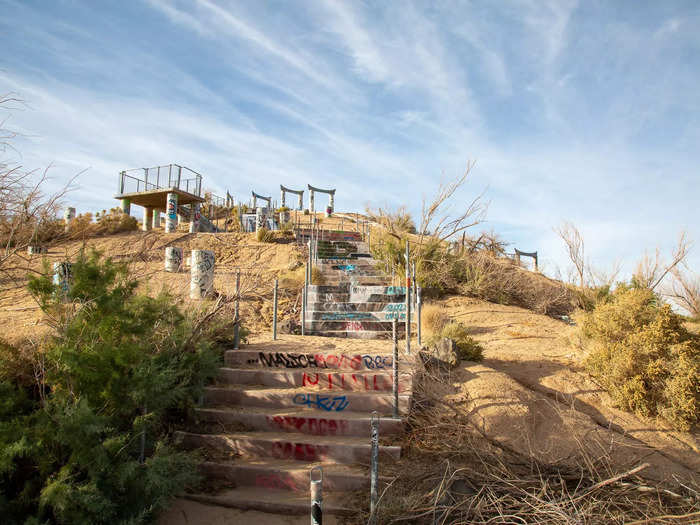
(374, 468)
(408, 300)
(274, 311)
(395, 364)
(419, 306)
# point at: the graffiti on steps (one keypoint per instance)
(327, 403)
(354, 326)
(352, 381)
(299, 451)
(318, 426)
(394, 315)
(344, 267)
(343, 316)
(276, 481)
(356, 362)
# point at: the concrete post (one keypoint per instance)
(126, 206)
(194, 219)
(156, 218)
(147, 218)
(311, 201)
(301, 201)
(283, 200)
(236, 328)
(173, 259)
(419, 306)
(260, 218)
(395, 363)
(68, 215)
(63, 275)
(331, 202)
(274, 311)
(373, 467)
(202, 274)
(316, 492)
(171, 217)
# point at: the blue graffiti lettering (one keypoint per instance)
(327, 403)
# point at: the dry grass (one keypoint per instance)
(460, 476)
(433, 318)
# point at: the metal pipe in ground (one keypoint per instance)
(408, 300)
(374, 468)
(395, 364)
(303, 309)
(419, 303)
(236, 328)
(274, 311)
(316, 496)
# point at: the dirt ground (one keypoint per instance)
(532, 394)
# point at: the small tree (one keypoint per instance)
(685, 290)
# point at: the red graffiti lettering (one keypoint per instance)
(276, 481)
(309, 425)
(299, 451)
(307, 379)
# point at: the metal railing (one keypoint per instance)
(160, 177)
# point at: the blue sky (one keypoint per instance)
(586, 111)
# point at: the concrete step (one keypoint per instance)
(356, 334)
(320, 360)
(359, 291)
(330, 315)
(375, 307)
(275, 501)
(322, 400)
(299, 420)
(354, 280)
(283, 445)
(346, 297)
(358, 380)
(289, 475)
(364, 260)
(349, 326)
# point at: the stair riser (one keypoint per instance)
(366, 382)
(365, 334)
(350, 326)
(317, 362)
(355, 316)
(331, 402)
(296, 449)
(361, 292)
(276, 507)
(311, 424)
(374, 307)
(345, 297)
(269, 478)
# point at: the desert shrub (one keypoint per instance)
(306, 211)
(265, 235)
(467, 347)
(433, 318)
(395, 221)
(118, 366)
(644, 357)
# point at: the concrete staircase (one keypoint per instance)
(274, 414)
(355, 300)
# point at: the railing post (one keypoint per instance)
(316, 490)
(395, 364)
(418, 320)
(374, 468)
(236, 330)
(303, 309)
(274, 312)
(408, 300)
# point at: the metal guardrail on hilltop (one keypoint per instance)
(160, 177)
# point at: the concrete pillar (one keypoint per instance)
(62, 275)
(283, 200)
(126, 206)
(331, 202)
(260, 218)
(156, 218)
(68, 215)
(173, 259)
(147, 218)
(301, 201)
(202, 274)
(311, 201)
(172, 219)
(194, 219)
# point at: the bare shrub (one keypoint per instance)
(651, 272)
(575, 247)
(685, 290)
(396, 221)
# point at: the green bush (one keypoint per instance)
(644, 357)
(306, 211)
(118, 367)
(467, 347)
